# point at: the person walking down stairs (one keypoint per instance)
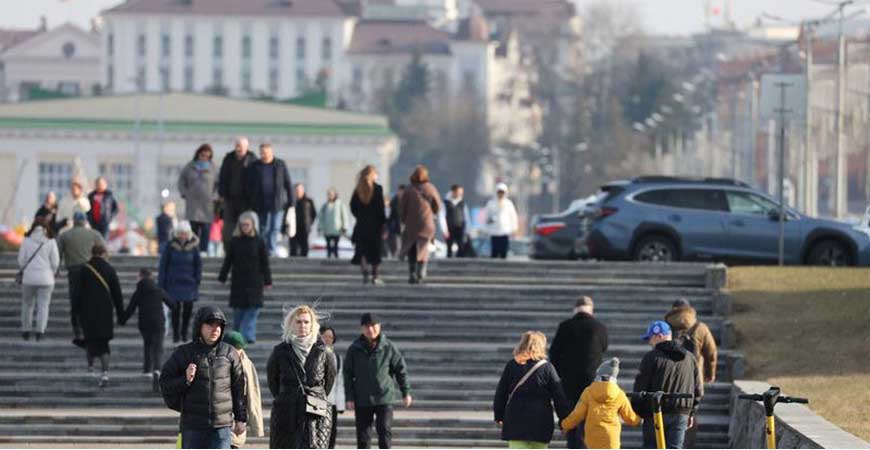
(367, 205)
(149, 300)
(180, 276)
(38, 261)
(418, 208)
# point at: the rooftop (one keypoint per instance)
(308, 8)
(188, 112)
(398, 36)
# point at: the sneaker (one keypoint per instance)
(104, 380)
(146, 374)
(155, 381)
(38, 336)
(377, 282)
(365, 278)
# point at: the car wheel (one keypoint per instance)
(655, 249)
(829, 253)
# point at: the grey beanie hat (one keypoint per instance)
(608, 370)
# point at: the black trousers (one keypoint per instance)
(332, 246)
(500, 246)
(457, 236)
(74, 274)
(181, 313)
(383, 424)
(200, 229)
(153, 350)
(299, 244)
(333, 434)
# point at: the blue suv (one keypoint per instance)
(682, 219)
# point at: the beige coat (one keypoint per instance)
(418, 208)
(682, 319)
(255, 405)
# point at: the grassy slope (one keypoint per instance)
(807, 330)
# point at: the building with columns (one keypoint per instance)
(141, 142)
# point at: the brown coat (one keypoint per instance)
(418, 208)
(682, 319)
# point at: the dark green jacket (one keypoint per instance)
(369, 373)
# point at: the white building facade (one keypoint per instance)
(141, 142)
(64, 60)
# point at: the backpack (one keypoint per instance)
(686, 339)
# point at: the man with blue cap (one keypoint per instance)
(669, 368)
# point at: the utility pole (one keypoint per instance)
(840, 173)
(557, 176)
(810, 167)
(782, 110)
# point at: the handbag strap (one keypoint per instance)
(33, 256)
(99, 277)
(526, 377)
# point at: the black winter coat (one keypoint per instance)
(232, 185)
(216, 397)
(149, 299)
(368, 232)
(94, 302)
(671, 369)
(306, 214)
(249, 260)
(291, 426)
(282, 198)
(529, 415)
(576, 352)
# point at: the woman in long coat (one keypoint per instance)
(247, 257)
(301, 365)
(367, 205)
(97, 302)
(180, 276)
(196, 183)
(418, 208)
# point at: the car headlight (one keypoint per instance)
(865, 230)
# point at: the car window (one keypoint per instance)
(749, 203)
(701, 199)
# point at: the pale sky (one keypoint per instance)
(659, 16)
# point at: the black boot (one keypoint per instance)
(38, 337)
(26, 335)
(412, 271)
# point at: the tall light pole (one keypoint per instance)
(840, 175)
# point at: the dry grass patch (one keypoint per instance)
(808, 331)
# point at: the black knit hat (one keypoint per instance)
(369, 319)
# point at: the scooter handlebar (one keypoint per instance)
(644, 394)
(760, 398)
(802, 401)
(752, 397)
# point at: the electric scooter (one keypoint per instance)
(770, 399)
(655, 398)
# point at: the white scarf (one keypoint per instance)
(302, 346)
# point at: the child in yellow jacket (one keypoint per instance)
(601, 405)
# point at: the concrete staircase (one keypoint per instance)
(456, 332)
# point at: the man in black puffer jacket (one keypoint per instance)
(205, 382)
(671, 369)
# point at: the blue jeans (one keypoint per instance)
(675, 431)
(270, 228)
(213, 438)
(245, 322)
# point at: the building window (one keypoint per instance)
(356, 84)
(164, 79)
(218, 46)
(246, 47)
(298, 175)
(188, 46)
(300, 48)
(121, 179)
(217, 77)
(301, 80)
(188, 79)
(54, 177)
(274, 48)
(165, 46)
(110, 45)
(141, 46)
(140, 78)
(273, 81)
(326, 49)
(69, 88)
(469, 81)
(110, 77)
(246, 79)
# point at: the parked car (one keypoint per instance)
(680, 219)
(562, 235)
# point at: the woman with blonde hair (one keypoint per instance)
(301, 372)
(247, 257)
(367, 205)
(527, 394)
(418, 208)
